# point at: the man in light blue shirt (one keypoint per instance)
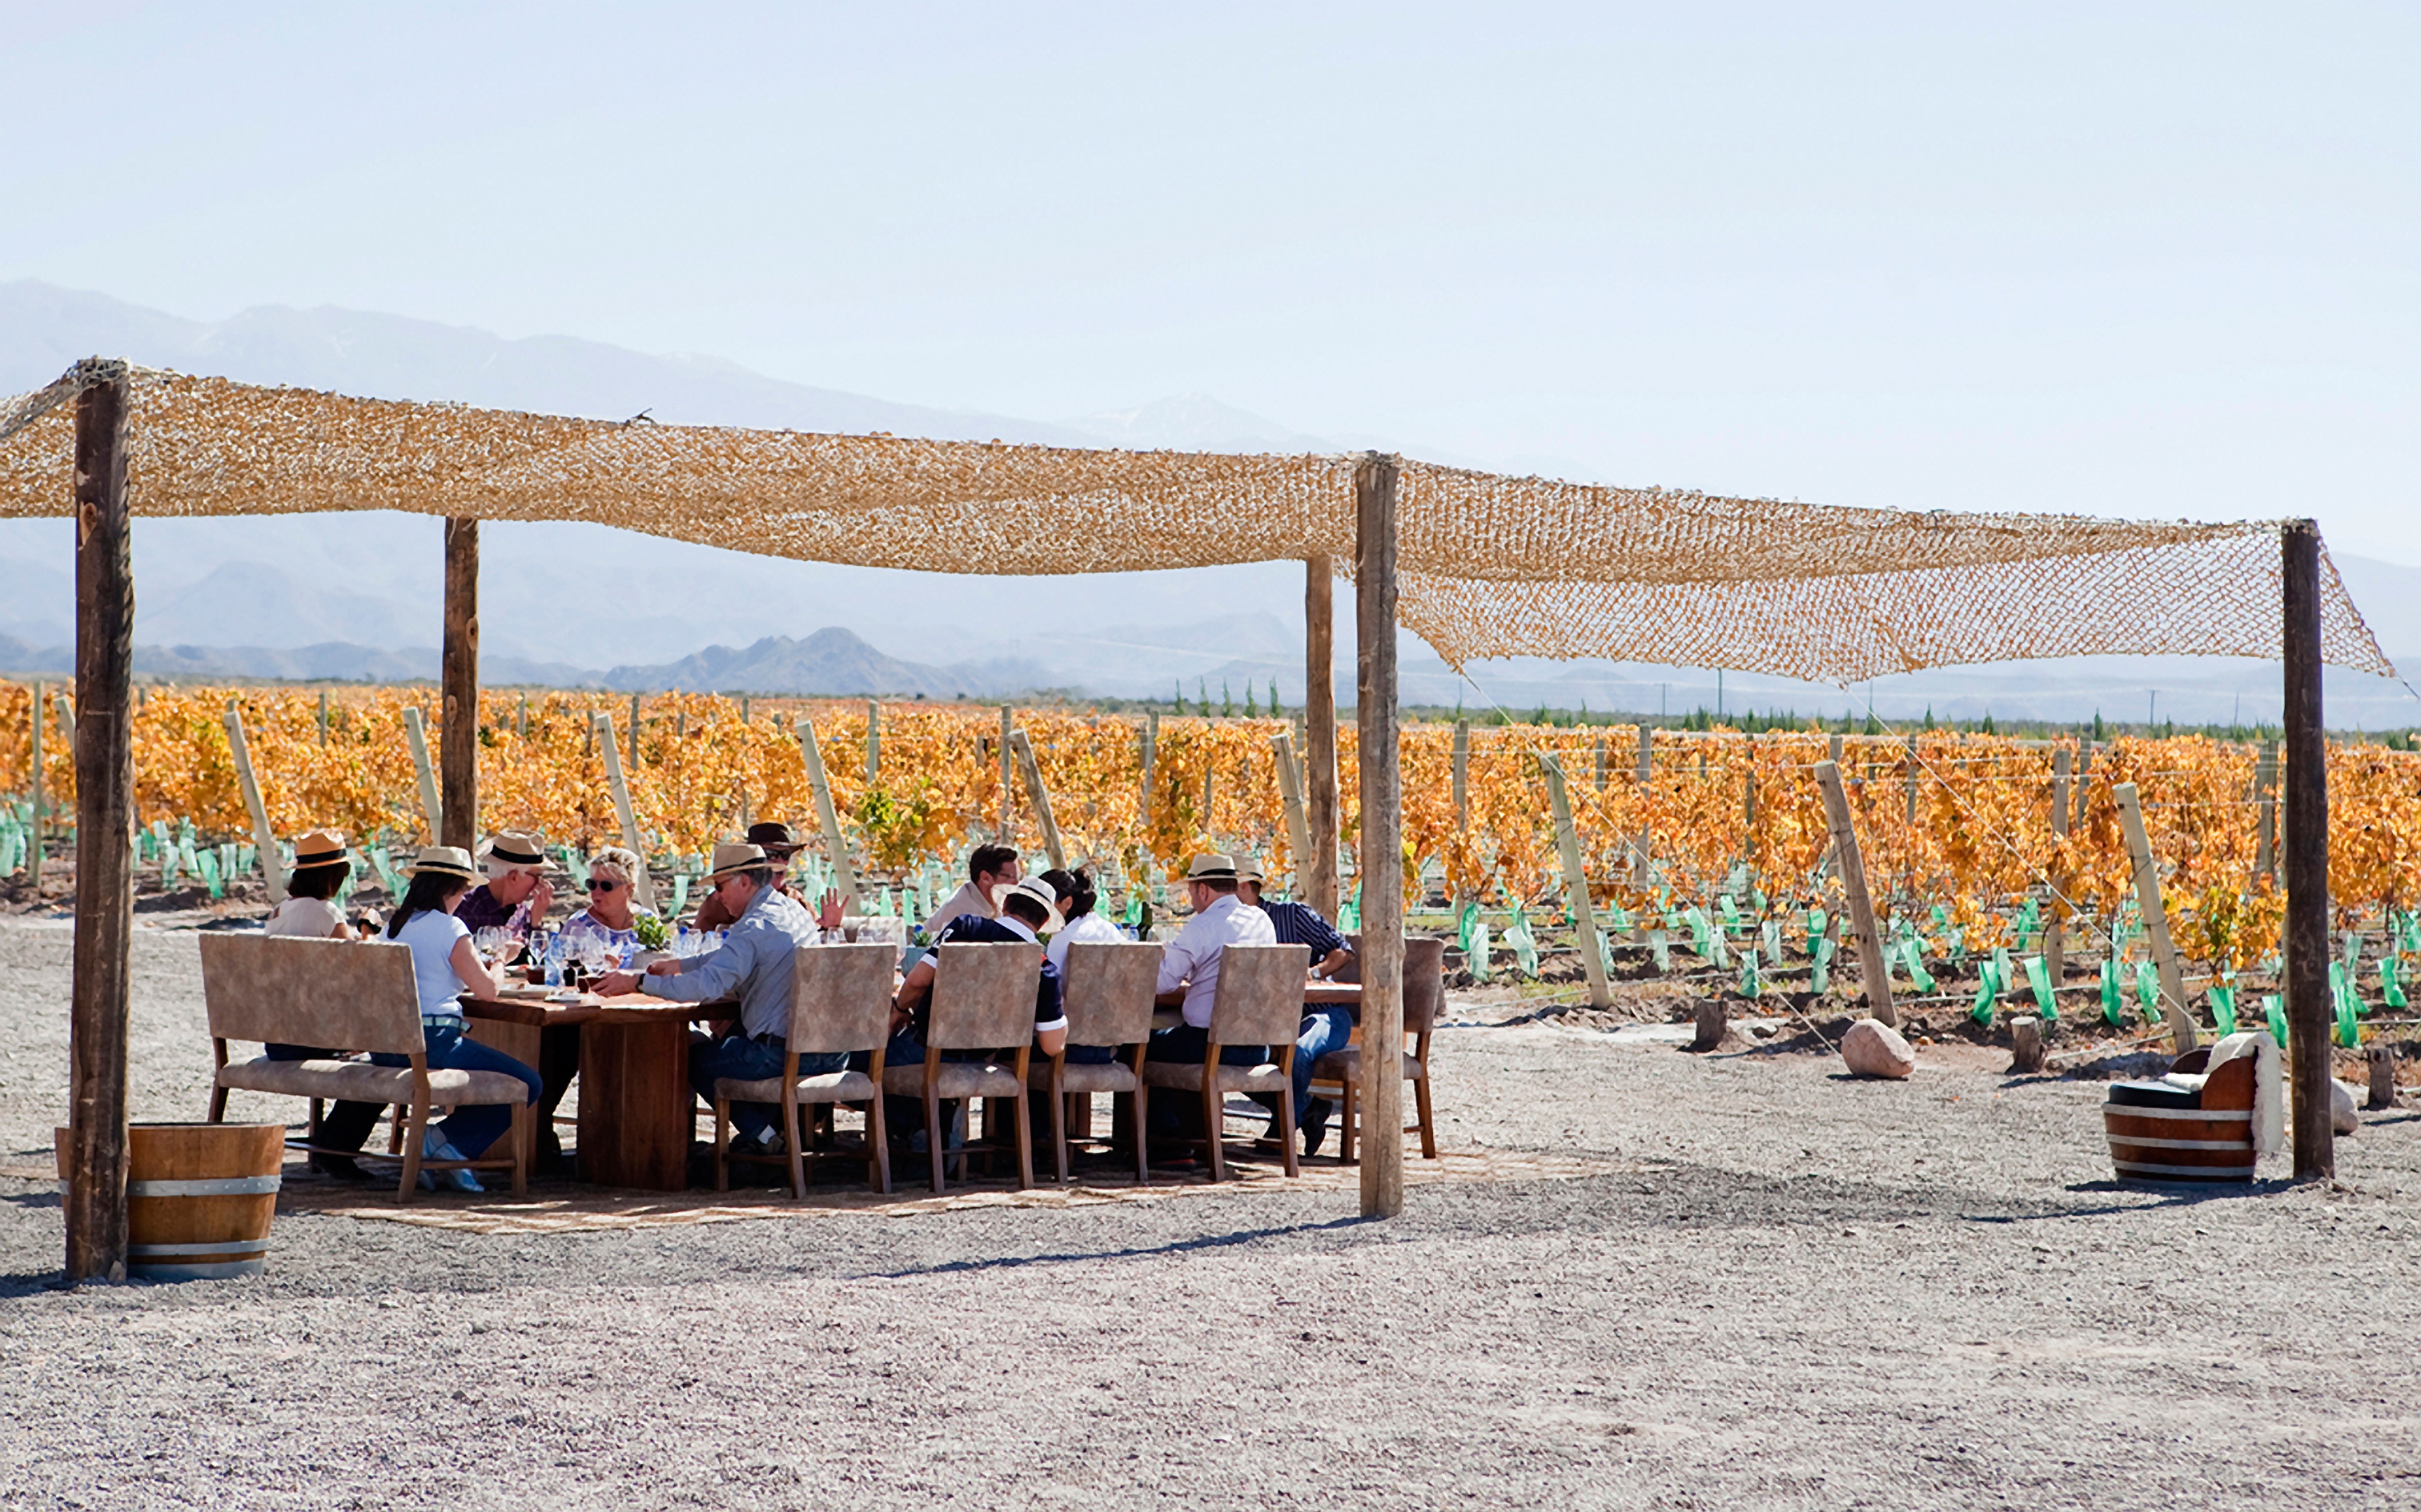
(755, 965)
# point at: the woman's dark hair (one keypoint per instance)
(426, 895)
(1075, 890)
(321, 880)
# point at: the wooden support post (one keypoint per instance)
(1007, 832)
(873, 743)
(1149, 760)
(2265, 799)
(1319, 730)
(35, 720)
(1642, 851)
(1576, 893)
(2156, 917)
(104, 883)
(1039, 796)
(1748, 796)
(643, 886)
(835, 847)
(2025, 1045)
(458, 681)
(634, 731)
(323, 715)
(1462, 775)
(1382, 868)
(415, 735)
(1911, 782)
(1853, 869)
(2083, 788)
(2056, 931)
(263, 840)
(2305, 847)
(1601, 766)
(2383, 1076)
(520, 718)
(1291, 794)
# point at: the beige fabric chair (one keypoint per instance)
(1341, 1071)
(983, 1000)
(352, 997)
(1258, 1000)
(840, 1003)
(1106, 992)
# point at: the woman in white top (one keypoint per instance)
(1083, 928)
(445, 963)
(310, 912)
(612, 916)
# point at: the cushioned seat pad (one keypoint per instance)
(1264, 1078)
(829, 1086)
(361, 1082)
(1346, 1065)
(954, 1080)
(2154, 1095)
(1107, 1077)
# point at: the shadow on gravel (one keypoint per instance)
(1198, 1243)
(2156, 1195)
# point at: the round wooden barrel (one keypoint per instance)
(198, 1198)
(2181, 1144)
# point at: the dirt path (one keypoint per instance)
(1783, 1289)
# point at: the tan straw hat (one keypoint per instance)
(319, 848)
(731, 856)
(1210, 868)
(445, 860)
(1249, 871)
(514, 847)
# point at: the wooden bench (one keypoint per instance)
(346, 997)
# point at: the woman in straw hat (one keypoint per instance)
(310, 912)
(445, 963)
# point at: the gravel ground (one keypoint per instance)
(1797, 1290)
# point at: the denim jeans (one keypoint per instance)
(743, 1059)
(1091, 1055)
(474, 1127)
(1325, 1028)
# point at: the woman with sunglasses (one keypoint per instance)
(612, 916)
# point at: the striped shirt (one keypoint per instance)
(1300, 924)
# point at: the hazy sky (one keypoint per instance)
(2113, 258)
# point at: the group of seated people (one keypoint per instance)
(764, 922)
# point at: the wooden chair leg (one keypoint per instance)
(1059, 1129)
(523, 1139)
(1022, 1121)
(1428, 1124)
(1286, 1120)
(1214, 1121)
(878, 1142)
(933, 1153)
(318, 1108)
(798, 1157)
(218, 1110)
(722, 1143)
(1350, 1125)
(395, 1123)
(1142, 1104)
(409, 1138)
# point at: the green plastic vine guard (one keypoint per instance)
(2273, 1008)
(1815, 922)
(2148, 989)
(681, 892)
(2391, 991)
(208, 871)
(1659, 945)
(2223, 1006)
(1524, 945)
(1771, 931)
(2113, 1005)
(2039, 978)
(1987, 991)
(1476, 954)
(1820, 972)
(2349, 1006)
(1750, 986)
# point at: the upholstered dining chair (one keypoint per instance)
(1259, 1002)
(982, 1004)
(840, 1003)
(1106, 992)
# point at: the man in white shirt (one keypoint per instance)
(989, 869)
(1189, 964)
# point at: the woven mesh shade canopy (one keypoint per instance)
(1490, 565)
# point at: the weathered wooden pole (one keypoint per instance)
(1642, 847)
(1319, 730)
(1039, 796)
(1382, 869)
(2305, 847)
(105, 915)
(1006, 834)
(2265, 800)
(835, 847)
(643, 885)
(1576, 893)
(2054, 947)
(263, 840)
(2156, 916)
(1851, 867)
(1291, 795)
(873, 743)
(458, 681)
(35, 718)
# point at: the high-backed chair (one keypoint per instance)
(983, 1001)
(1259, 1002)
(1342, 1069)
(840, 1003)
(1106, 992)
(346, 997)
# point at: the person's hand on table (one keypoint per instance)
(615, 984)
(828, 915)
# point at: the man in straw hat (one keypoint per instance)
(1189, 974)
(779, 845)
(754, 966)
(1326, 1026)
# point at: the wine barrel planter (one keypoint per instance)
(200, 1199)
(2162, 1131)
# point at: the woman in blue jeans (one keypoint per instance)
(444, 964)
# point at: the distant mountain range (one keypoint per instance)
(355, 595)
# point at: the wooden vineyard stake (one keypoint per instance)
(2083, 788)
(1462, 776)
(873, 743)
(262, 839)
(1290, 793)
(643, 885)
(634, 731)
(2383, 1077)
(2055, 930)
(1320, 731)
(835, 848)
(520, 718)
(1576, 893)
(323, 714)
(2156, 917)
(1381, 835)
(457, 730)
(2265, 799)
(1210, 792)
(95, 1200)
(1853, 869)
(416, 737)
(1007, 832)
(1039, 796)
(1641, 865)
(1600, 744)
(2306, 860)
(66, 707)
(1150, 754)
(1834, 750)
(1748, 795)
(1911, 782)
(34, 720)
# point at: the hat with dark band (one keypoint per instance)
(512, 848)
(445, 860)
(777, 838)
(732, 857)
(1210, 868)
(319, 848)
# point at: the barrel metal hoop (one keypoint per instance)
(231, 1246)
(2147, 1142)
(227, 1272)
(2208, 1173)
(224, 1186)
(2127, 1110)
